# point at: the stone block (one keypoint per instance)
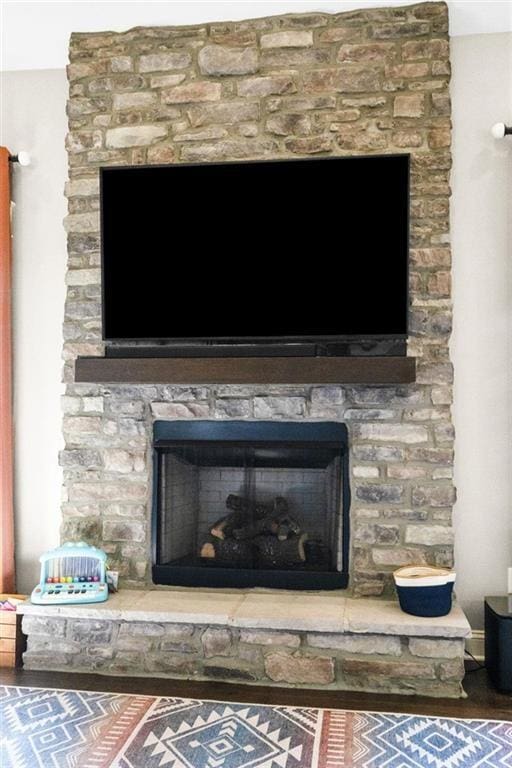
(289, 124)
(409, 70)
(301, 103)
(167, 81)
(433, 496)
(429, 535)
(145, 628)
(391, 669)
(415, 50)
(221, 60)
(296, 668)
(397, 556)
(407, 138)
(197, 91)
(82, 222)
(86, 187)
(285, 58)
(124, 531)
(370, 533)
(351, 53)
(92, 404)
(269, 637)
(205, 134)
(135, 135)
(388, 396)
(136, 100)
(260, 87)
(168, 646)
(44, 626)
(365, 472)
(351, 78)
(162, 62)
(400, 472)
(409, 105)
(327, 395)
(101, 491)
(161, 154)
(309, 146)
(380, 493)
(304, 20)
(135, 643)
(231, 669)
(279, 407)
(232, 408)
(378, 453)
(124, 462)
(121, 64)
(180, 410)
(89, 631)
(296, 39)
(391, 433)
(406, 29)
(370, 644)
(451, 670)
(436, 648)
(370, 414)
(80, 457)
(216, 642)
(127, 662)
(172, 664)
(230, 149)
(228, 113)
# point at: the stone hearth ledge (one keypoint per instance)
(331, 612)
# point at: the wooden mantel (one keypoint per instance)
(247, 370)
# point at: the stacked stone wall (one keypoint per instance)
(363, 82)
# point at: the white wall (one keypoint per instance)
(34, 119)
(481, 215)
(34, 35)
(34, 104)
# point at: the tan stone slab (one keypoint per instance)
(297, 611)
(194, 606)
(270, 609)
(386, 617)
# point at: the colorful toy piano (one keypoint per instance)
(72, 573)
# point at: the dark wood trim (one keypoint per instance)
(482, 702)
(247, 370)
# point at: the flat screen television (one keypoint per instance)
(286, 250)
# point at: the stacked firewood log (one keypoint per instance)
(261, 532)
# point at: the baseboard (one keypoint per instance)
(476, 644)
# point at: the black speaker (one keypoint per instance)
(498, 641)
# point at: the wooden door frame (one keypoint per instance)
(7, 578)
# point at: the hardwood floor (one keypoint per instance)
(482, 702)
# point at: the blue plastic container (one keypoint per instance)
(424, 590)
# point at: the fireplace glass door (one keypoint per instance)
(251, 506)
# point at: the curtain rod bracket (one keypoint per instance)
(499, 130)
(23, 158)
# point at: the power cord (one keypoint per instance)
(478, 664)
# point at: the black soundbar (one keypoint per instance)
(381, 348)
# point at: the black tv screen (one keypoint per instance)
(298, 249)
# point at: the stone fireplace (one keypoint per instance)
(362, 82)
(370, 81)
(244, 504)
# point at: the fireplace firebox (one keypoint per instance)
(245, 504)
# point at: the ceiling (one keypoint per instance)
(35, 34)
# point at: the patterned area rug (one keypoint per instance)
(79, 729)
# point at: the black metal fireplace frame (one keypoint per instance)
(167, 433)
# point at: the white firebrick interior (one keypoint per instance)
(194, 498)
